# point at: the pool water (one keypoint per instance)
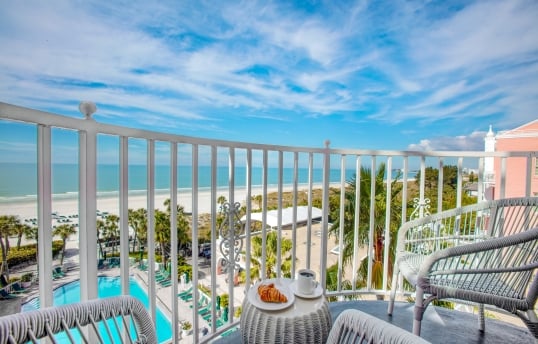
(107, 286)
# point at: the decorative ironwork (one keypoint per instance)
(230, 231)
(420, 209)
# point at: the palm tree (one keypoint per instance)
(220, 201)
(64, 231)
(20, 229)
(332, 282)
(139, 223)
(271, 256)
(112, 231)
(181, 221)
(162, 232)
(7, 225)
(364, 225)
(220, 215)
(258, 199)
(32, 233)
(101, 229)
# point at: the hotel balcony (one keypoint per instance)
(229, 185)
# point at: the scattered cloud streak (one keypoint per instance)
(418, 68)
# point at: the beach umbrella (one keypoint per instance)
(225, 314)
(218, 302)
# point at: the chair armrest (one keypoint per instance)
(353, 326)
(47, 322)
(468, 224)
(473, 251)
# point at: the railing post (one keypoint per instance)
(325, 211)
(279, 216)
(174, 239)
(150, 244)
(371, 226)
(88, 205)
(387, 237)
(44, 210)
(341, 225)
(124, 214)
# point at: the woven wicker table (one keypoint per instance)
(306, 320)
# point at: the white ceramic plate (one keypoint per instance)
(317, 292)
(254, 297)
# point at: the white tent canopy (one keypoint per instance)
(287, 216)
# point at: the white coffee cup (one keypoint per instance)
(306, 281)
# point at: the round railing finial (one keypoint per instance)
(327, 143)
(87, 108)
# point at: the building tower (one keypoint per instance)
(489, 169)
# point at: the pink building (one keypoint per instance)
(523, 138)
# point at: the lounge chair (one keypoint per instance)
(101, 315)
(5, 295)
(166, 282)
(186, 297)
(353, 326)
(202, 301)
(486, 253)
(162, 276)
(185, 292)
(114, 262)
(205, 310)
(16, 288)
(57, 272)
(209, 320)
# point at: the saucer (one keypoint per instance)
(254, 297)
(318, 291)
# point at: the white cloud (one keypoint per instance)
(478, 36)
(472, 142)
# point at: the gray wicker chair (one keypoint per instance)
(356, 327)
(486, 253)
(121, 319)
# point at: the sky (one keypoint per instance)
(392, 75)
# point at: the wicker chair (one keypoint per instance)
(486, 253)
(121, 319)
(356, 327)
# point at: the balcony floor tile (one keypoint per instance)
(440, 325)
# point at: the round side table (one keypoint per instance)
(307, 320)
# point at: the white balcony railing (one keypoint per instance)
(251, 170)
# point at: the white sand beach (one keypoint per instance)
(110, 204)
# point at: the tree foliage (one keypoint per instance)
(271, 256)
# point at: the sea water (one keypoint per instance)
(18, 181)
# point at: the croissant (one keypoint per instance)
(268, 293)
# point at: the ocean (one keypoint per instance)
(18, 181)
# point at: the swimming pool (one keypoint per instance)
(107, 286)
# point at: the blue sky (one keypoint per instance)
(366, 74)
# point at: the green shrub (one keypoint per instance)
(27, 254)
(27, 277)
(237, 312)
